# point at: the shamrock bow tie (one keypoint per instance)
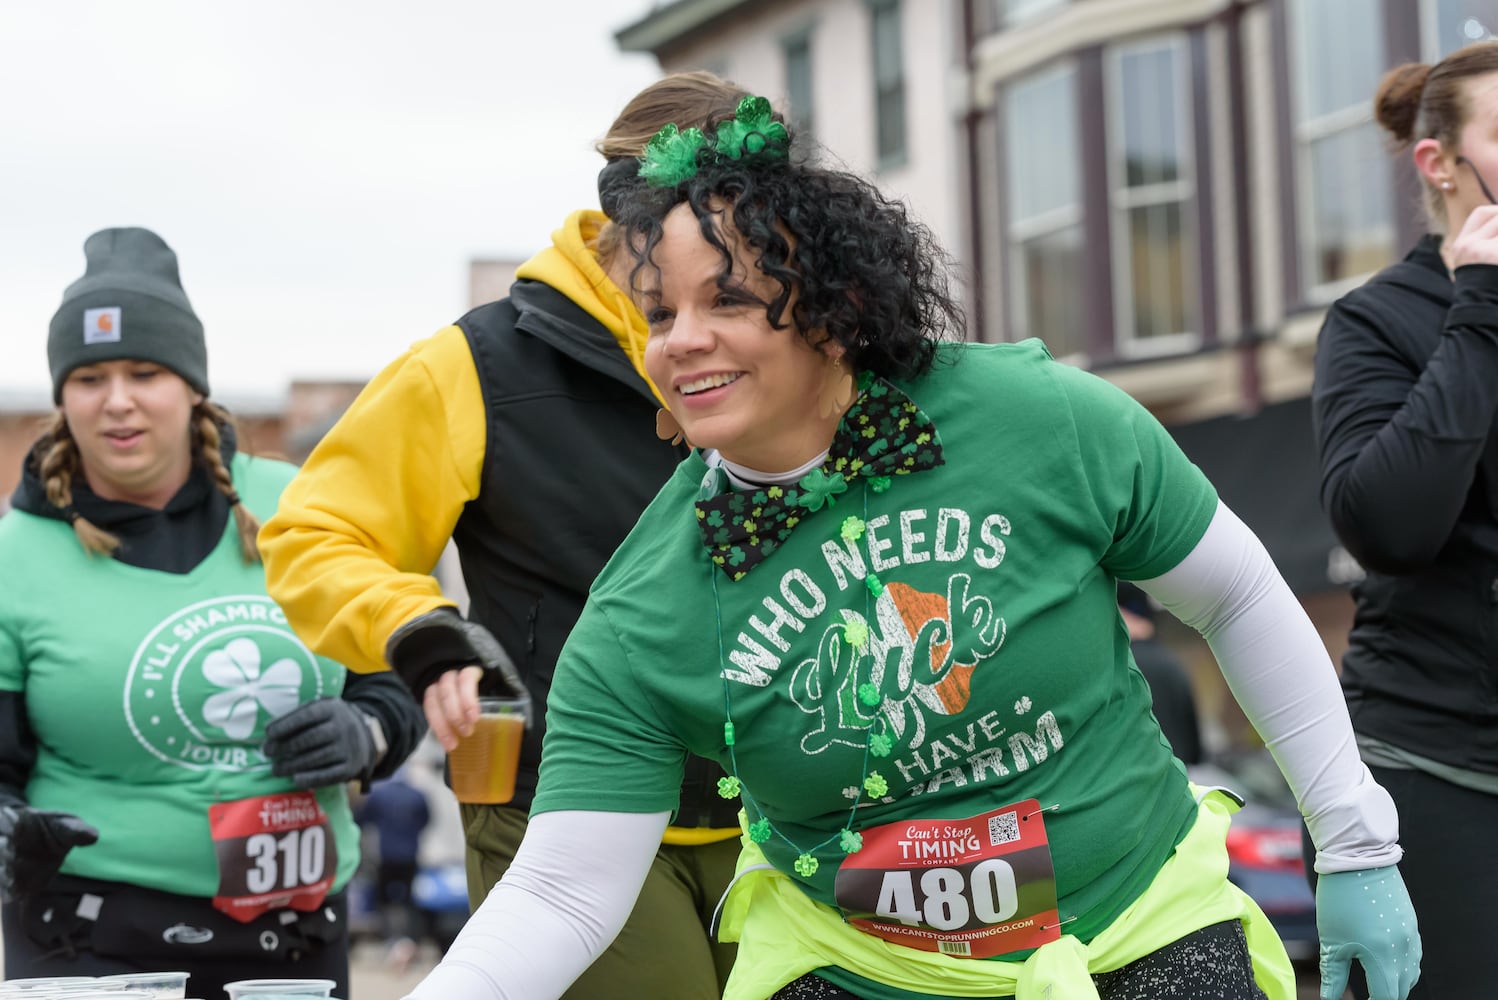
(883, 434)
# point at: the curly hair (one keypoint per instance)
(860, 268)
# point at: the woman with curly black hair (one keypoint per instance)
(881, 593)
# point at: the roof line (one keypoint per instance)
(665, 25)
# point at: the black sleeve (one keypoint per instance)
(1400, 444)
(386, 697)
(17, 748)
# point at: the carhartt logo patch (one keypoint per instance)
(101, 326)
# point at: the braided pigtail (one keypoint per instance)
(208, 418)
(59, 464)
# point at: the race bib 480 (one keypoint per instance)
(971, 888)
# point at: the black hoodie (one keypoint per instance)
(1406, 416)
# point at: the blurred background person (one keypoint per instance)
(397, 812)
(525, 433)
(173, 761)
(1170, 684)
(1405, 404)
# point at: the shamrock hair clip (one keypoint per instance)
(753, 130)
(671, 156)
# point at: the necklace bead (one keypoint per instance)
(820, 489)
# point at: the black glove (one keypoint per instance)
(429, 645)
(33, 843)
(324, 742)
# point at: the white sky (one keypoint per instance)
(325, 169)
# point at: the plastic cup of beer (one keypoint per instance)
(279, 987)
(482, 766)
(158, 985)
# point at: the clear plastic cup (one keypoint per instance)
(159, 985)
(482, 766)
(259, 988)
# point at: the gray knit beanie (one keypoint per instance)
(129, 304)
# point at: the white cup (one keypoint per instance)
(158, 985)
(317, 988)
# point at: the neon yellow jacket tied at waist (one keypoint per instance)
(784, 934)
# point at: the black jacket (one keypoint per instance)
(1406, 416)
(571, 459)
(175, 539)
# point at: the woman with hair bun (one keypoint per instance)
(881, 593)
(1406, 415)
(174, 762)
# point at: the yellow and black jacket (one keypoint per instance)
(526, 433)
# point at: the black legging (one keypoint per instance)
(1212, 962)
(1447, 835)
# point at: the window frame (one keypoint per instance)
(900, 155)
(1430, 31)
(1303, 132)
(800, 39)
(1036, 9)
(1017, 232)
(1127, 341)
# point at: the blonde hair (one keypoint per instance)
(60, 464)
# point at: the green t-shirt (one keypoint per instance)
(995, 642)
(149, 692)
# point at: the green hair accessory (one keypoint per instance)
(753, 130)
(671, 156)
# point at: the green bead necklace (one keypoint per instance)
(820, 487)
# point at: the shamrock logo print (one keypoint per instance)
(247, 688)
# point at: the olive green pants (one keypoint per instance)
(664, 951)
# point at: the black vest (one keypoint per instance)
(571, 460)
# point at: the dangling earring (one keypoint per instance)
(667, 429)
(838, 391)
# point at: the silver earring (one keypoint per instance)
(1445, 185)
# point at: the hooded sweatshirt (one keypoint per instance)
(524, 432)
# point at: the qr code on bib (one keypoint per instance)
(1003, 828)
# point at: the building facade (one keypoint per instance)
(1168, 192)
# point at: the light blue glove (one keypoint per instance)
(1367, 915)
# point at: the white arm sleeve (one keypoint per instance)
(560, 904)
(1228, 589)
